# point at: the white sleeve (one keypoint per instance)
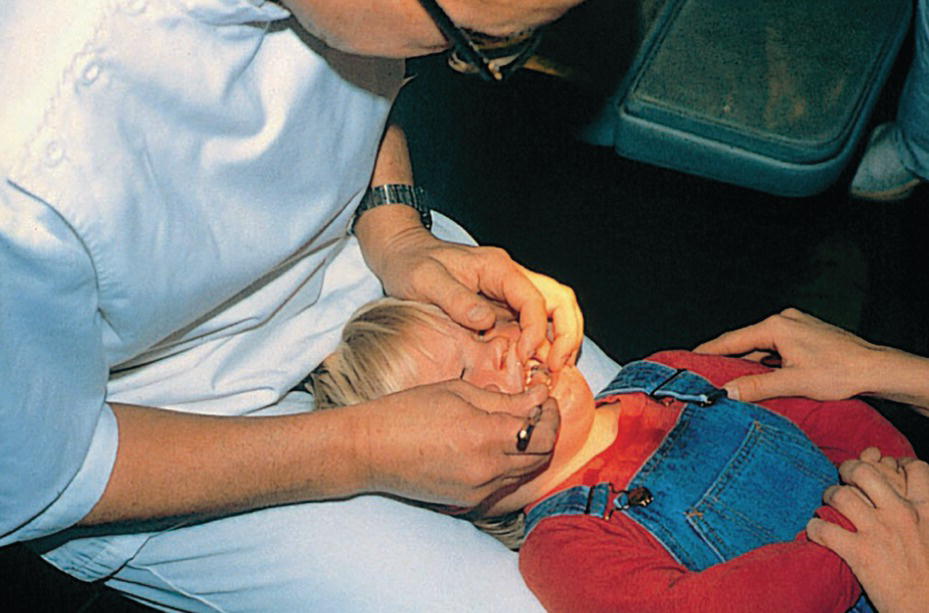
(58, 438)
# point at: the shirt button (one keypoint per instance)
(134, 7)
(91, 72)
(54, 153)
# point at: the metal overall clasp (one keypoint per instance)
(704, 400)
(636, 497)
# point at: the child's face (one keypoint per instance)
(489, 361)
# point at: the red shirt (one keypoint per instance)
(584, 563)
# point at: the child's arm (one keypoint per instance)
(588, 564)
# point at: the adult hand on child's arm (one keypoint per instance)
(888, 502)
(820, 361)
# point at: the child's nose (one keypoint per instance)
(501, 347)
(506, 374)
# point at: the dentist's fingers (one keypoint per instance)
(452, 443)
(567, 322)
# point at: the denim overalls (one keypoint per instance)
(728, 478)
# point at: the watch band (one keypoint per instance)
(395, 193)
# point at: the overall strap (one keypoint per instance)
(600, 500)
(661, 381)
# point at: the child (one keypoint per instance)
(662, 494)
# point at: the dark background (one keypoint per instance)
(658, 259)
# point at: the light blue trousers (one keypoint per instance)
(913, 112)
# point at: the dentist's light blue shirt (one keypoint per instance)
(177, 177)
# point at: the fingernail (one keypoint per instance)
(478, 312)
(732, 392)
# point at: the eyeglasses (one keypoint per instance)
(494, 58)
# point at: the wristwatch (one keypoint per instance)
(395, 193)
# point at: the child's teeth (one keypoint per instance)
(536, 371)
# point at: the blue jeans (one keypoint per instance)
(913, 112)
(728, 478)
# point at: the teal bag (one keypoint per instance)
(773, 95)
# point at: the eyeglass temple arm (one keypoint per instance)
(461, 43)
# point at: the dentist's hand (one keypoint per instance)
(452, 443)
(471, 283)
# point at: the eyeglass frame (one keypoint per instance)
(470, 52)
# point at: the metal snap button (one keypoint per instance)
(639, 497)
(636, 497)
(54, 153)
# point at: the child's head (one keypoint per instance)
(373, 358)
(391, 345)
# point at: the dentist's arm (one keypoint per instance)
(448, 443)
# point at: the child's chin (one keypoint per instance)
(569, 386)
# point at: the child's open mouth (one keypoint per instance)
(537, 372)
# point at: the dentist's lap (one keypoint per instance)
(362, 554)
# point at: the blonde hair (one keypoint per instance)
(373, 360)
(509, 529)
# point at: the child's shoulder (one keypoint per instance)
(717, 369)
